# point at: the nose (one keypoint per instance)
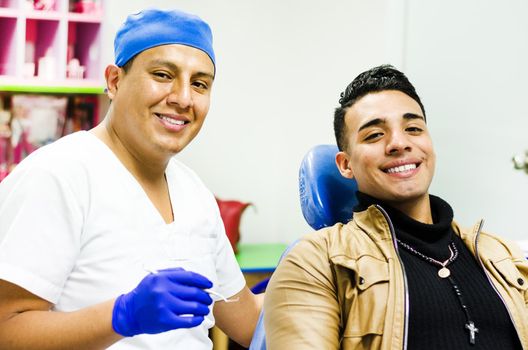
(180, 95)
(398, 143)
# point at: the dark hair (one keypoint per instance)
(381, 78)
(126, 67)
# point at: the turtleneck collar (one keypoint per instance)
(413, 232)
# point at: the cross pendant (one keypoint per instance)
(470, 326)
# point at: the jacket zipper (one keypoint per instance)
(481, 223)
(405, 287)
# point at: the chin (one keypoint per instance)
(175, 150)
(408, 196)
(171, 145)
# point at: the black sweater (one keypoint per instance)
(436, 318)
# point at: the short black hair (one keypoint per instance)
(380, 78)
(126, 67)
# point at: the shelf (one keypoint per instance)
(84, 44)
(8, 47)
(45, 15)
(43, 50)
(82, 17)
(8, 12)
(50, 60)
(65, 86)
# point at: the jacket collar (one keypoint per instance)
(374, 223)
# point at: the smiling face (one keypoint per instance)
(389, 152)
(159, 105)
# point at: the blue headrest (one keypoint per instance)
(326, 196)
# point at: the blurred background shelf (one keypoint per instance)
(50, 62)
(60, 42)
(69, 86)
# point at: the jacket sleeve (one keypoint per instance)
(301, 310)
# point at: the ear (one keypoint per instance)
(112, 76)
(343, 164)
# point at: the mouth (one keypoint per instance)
(172, 120)
(401, 168)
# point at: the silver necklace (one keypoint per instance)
(444, 272)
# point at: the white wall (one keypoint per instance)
(468, 61)
(281, 66)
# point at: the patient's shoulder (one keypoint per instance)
(324, 242)
(340, 240)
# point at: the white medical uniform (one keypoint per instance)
(77, 229)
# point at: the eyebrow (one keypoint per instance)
(176, 68)
(378, 121)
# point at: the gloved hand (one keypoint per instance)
(159, 302)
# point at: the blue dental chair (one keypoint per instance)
(326, 198)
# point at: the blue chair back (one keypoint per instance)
(326, 198)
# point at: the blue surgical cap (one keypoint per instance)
(154, 27)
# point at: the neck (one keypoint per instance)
(418, 209)
(145, 168)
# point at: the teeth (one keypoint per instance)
(401, 168)
(172, 121)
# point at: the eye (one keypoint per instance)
(201, 85)
(414, 129)
(373, 136)
(162, 75)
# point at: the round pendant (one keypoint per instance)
(444, 272)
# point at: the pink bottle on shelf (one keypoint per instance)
(72, 38)
(47, 68)
(22, 149)
(4, 164)
(29, 54)
(5, 143)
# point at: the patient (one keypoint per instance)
(401, 274)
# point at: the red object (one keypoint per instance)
(86, 6)
(231, 212)
(43, 5)
(31, 31)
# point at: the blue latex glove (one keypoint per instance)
(158, 302)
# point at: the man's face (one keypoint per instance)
(390, 152)
(160, 104)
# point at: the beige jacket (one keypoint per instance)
(344, 287)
